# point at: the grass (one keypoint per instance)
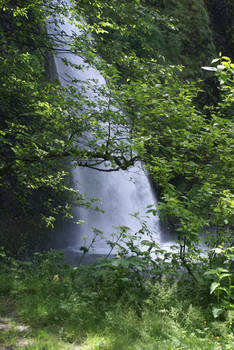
(50, 306)
(149, 333)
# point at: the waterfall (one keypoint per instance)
(124, 195)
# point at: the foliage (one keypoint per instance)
(103, 304)
(40, 129)
(146, 112)
(195, 177)
(221, 275)
(178, 31)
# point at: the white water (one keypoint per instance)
(121, 193)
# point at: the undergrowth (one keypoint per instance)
(113, 304)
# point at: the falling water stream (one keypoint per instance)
(122, 194)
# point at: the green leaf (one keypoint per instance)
(213, 286)
(215, 60)
(220, 67)
(232, 294)
(124, 279)
(212, 69)
(218, 250)
(209, 274)
(225, 275)
(147, 243)
(84, 249)
(225, 289)
(216, 312)
(225, 58)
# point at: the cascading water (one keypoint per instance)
(122, 194)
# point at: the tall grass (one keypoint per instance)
(107, 306)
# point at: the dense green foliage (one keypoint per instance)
(186, 148)
(179, 31)
(27, 122)
(149, 110)
(114, 304)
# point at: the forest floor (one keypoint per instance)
(16, 335)
(49, 305)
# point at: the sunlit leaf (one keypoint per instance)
(214, 286)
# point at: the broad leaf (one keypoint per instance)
(213, 69)
(216, 312)
(213, 286)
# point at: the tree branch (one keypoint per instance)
(184, 262)
(96, 158)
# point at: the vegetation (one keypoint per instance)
(158, 29)
(186, 147)
(151, 109)
(114, 304)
